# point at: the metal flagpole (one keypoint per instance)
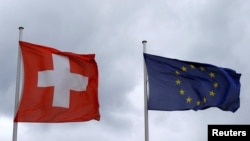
(144, 42)
(14, 137)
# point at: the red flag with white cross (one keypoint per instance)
(58, 86)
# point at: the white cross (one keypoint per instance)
(62, 80)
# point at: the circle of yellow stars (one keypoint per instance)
(182, 92)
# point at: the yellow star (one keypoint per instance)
(192, 66)
(204, 100)
(212, 75)
(211, 93)
(216, 85)
(182, 92)
(183, 68)
(202, 68)
(177, 72)
(198, 103)
(178, 82)
(188, 99)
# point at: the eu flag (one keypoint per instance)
(182, 85)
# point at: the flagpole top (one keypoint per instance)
(144, 41)
(20, 28)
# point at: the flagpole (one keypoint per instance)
(144, 42)
(14, 137)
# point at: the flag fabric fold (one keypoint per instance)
(58, 86)
(177, 85)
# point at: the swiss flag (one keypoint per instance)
(58, 86)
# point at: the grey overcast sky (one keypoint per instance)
(207, 31)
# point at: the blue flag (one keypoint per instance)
(182, 85)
